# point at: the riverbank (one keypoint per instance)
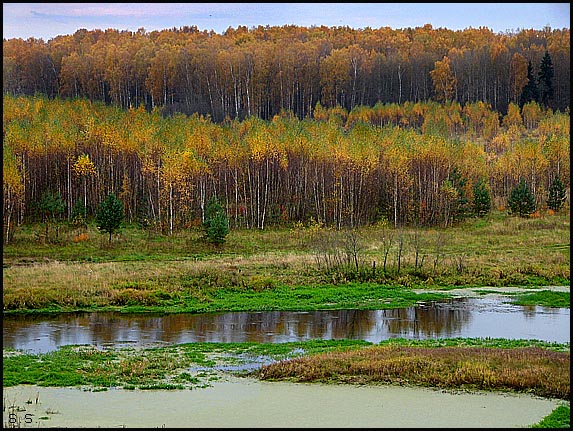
(146, 387)
(475, 363)
(282, 268)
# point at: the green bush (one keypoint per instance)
(216, 223)
(109, 215)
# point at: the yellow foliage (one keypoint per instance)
(513, 117)
(12, 178)
(84, 166)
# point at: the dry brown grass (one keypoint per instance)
(81, 284)
(497, 251)
(539, 371)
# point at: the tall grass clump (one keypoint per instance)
(531, 369)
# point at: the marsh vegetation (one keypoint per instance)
(461, 364)
(494, 364)
(303, 267)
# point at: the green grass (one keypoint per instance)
(259, 270)
(559, 418)
(308, 298)
(194, 365)
(149, 368)
(545, 298)
(219, 293)
(193, 298)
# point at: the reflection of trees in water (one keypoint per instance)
(27, 330)
(103, 328)
(416, 322)
(454, 318)
(109, 327)
(427, 321)
(529, 310)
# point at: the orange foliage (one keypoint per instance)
(81, 237)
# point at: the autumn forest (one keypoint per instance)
(284, 124)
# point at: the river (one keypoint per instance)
(459, 317)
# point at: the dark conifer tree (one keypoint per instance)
(546, 81)
(462, 208)
(521, 201)
(482, 199)
(557, 195)
(216, 224)
(109, 215)
(530, 91)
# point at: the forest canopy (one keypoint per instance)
(263, 70)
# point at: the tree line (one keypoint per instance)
(263, 70)
(423, 163)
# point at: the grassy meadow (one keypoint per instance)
(302, 267)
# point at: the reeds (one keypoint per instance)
(532, 369)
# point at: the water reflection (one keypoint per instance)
(463, 317)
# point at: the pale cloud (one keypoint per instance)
(103, 10)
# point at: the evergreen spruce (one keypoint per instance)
(546, 80)
(521, 201)
(557, 195)
(216, 223)
(482, 199)
(530, 92)
(109, 215)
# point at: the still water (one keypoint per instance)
(247, 403)
(460, 317)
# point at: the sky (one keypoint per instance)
(48, 20)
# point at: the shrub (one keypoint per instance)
(216, 223)
(81, 237)
(109, 215)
